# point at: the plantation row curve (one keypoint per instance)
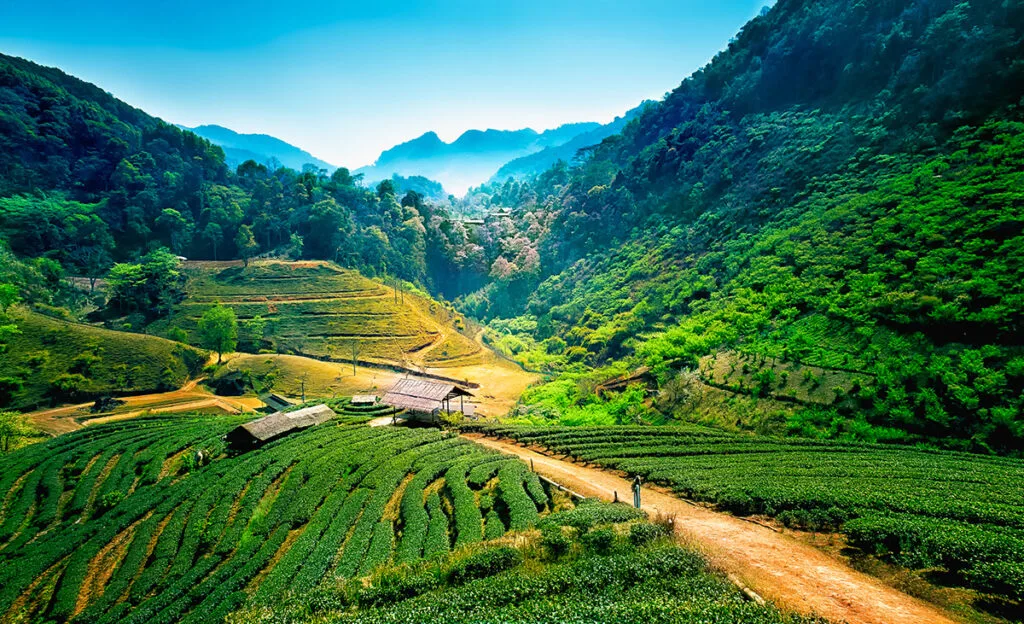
(132, 522)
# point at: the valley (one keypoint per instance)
(779, 308)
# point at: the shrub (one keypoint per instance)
(599, 540)
(109, 500)
(394, 585)
(554, 541)
(483, 564)
(645, 532)
(83, 362)
(69, 384)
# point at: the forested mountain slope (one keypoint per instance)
(839, 188)
(87, 180)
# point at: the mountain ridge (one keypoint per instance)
(472, 158)
(263, 148)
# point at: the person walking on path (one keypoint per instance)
(636, 492)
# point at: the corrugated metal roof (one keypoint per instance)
(281, 422)
(275, 401)
(426, 389)
(416, 404)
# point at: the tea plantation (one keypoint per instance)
(321, 310)
(921, 508)
(595, 563)
(149, 520)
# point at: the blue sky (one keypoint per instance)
(346, 80)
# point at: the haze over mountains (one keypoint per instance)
(262, 148)
(477, 155)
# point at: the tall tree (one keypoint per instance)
(246, 243)
(218, 330)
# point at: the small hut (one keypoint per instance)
(426, 400)
(365, 400)
(259, 432)
(275, 402)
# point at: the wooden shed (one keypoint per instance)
(364, 399)
(275, 401)
(425, 400)
(259, 432)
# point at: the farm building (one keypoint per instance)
(425, 400)
(275, 401)
(364, 399)
(258, 432)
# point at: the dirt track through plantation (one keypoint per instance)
(790, 573)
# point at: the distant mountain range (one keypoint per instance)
(537, 162)
(477, 155)
(262, 148)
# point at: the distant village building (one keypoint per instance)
(425, 400)
(259, 432)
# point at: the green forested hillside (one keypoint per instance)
(89, 180)
(840, 188)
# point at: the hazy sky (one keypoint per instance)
(345, 80)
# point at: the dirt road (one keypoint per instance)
(792, 574)
(190, 397)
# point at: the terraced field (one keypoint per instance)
(124, 522)
(321, 310)
(923, 509)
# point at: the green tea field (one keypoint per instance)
(920, 508)
(125, 522)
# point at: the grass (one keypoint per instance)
(107, 361)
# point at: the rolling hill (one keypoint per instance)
(55, 361)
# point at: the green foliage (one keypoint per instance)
(591, 513)
(483, 564)
(49, 355)
(13, 427)
(921, 507)
(643, 533)
(151, 287)
(196, 533)
(657, 585)
(599, 541)
(218, 330)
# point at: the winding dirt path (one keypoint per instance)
(189, 397)
(792, 574)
